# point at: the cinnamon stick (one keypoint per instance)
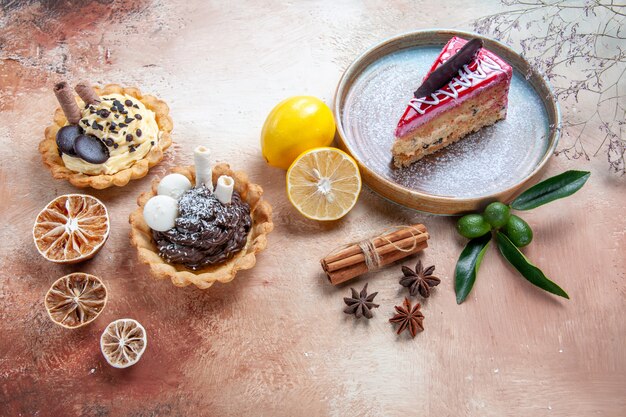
(402, 246)
(379, 241)
(351, 261)
(67, 101)
(87, 93)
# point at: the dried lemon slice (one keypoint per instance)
(323, 183)
(75, 300)
(72, 228)
(123, 342)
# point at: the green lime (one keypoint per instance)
(518, 231)
(472, 225)
(497, 214)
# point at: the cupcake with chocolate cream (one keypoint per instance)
(201, 224)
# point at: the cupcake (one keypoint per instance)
(201, 224)
(105, 137)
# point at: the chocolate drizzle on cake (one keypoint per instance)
(207, 232)
(446, 71)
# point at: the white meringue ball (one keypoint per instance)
(160, 212)
(174, 185)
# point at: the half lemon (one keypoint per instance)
(323, 183)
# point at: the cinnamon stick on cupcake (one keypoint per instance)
(64, 95)
(87, 93)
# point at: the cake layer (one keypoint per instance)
(482, 72)
(473, 114)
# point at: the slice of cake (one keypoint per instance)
(450, 105)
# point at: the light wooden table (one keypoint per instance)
(275, 341)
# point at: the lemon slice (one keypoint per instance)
(123, 342)
(71, 228)
(75, 300)
(323, 183)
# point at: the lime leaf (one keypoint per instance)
(559, 186)
(524, 267)
(467, 266)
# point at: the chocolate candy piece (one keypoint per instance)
(449, 69)
(66, 136)
(91, 149)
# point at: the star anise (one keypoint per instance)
(407, 317)
(421, 280)
(360, 304)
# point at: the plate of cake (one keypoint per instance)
(446, 121)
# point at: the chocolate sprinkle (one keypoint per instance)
(129, 138)
(123, 125)
(131, 148)
(206, 232)
(138, 116)
(449, 69)
(104, 113)
(128, 103)
(128, 120)
(138, 133)
(109, 142)
(135, 106)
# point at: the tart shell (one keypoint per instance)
(52, 159)
(262, 225)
